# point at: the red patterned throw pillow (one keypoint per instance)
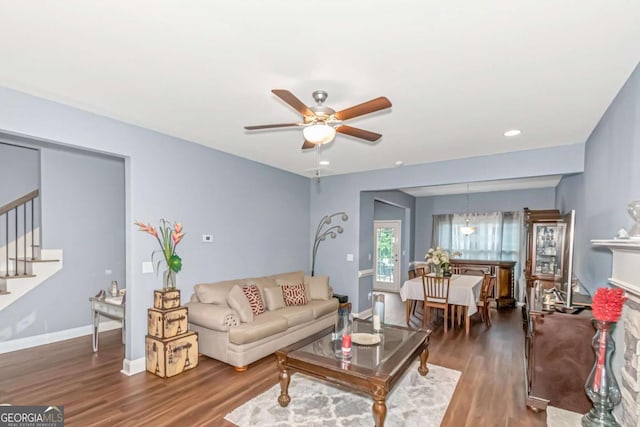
(294, 294)
(255, 299)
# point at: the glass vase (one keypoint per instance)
(169, 279)
(438, 270)
(601, 386)
(344, 324)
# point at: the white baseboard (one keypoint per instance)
(132, 367)
(37, 340)
(363, 314)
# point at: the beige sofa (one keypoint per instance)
(227, 332)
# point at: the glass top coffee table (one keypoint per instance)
(372, 369)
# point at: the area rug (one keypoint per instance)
(557, 417)
(415, 400)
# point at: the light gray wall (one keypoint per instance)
(19, 171)
(258, 215)
(83, 211)
(385, 212)
(505, 201)
(342, 193)
(611, 180)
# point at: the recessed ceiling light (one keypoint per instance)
(324, 162)
(399, 163)
(512, 132)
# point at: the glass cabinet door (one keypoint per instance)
(548, 243)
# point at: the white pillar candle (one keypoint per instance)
(376, 322)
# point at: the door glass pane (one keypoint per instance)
(385, 255)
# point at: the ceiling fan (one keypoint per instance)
(321, 122)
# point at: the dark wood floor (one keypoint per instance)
(93, 391)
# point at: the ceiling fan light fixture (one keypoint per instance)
(319, 133)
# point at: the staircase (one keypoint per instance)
(23, 264)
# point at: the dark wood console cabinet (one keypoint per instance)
(503, 270)
(558, 357)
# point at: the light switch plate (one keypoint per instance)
(147, 267)
(207, 238)
(349, 257)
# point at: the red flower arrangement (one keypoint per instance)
(607, 304)
(607, 307)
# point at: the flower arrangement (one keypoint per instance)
(168, 236)
(607, 304)
(439, 258)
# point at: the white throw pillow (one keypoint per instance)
(318, 287)
(238, 301)
(274, 298)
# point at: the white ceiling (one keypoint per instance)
(459, 73)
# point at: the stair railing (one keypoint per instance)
(21, 203)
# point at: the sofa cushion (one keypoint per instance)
(212, 316)
(255, 299)
(296, 315)
(264, 325)
(215, 293)
(261, 283)
(318, 287)
(293, 293)
(322, 307)
(239, 302)
(274, 298)
(294, 277)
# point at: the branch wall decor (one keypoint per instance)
(322, 234)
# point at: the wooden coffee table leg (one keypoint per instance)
(284, 397)
(379, 406)
(408, 311)
(422, 369)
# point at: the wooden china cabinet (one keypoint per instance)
(545, 247)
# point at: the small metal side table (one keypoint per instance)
(100, 307)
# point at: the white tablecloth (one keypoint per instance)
(463, 290)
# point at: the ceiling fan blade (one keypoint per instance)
(291, 99)
(364, 108)
(279, 125)
(308, 145)
(358, 133)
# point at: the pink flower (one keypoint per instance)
(178, 227)
(148, 228)
(176, 238)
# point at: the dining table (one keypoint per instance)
(463, 291)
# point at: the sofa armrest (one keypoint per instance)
(212, 316)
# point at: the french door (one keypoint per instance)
(386, 249)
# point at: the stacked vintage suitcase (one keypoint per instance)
(170, 347)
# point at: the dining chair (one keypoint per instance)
(456, 269)
(436, 295)
(412, 274)
(486, 296)
(419, 271)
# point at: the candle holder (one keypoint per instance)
(601, 386)
(378, 312)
